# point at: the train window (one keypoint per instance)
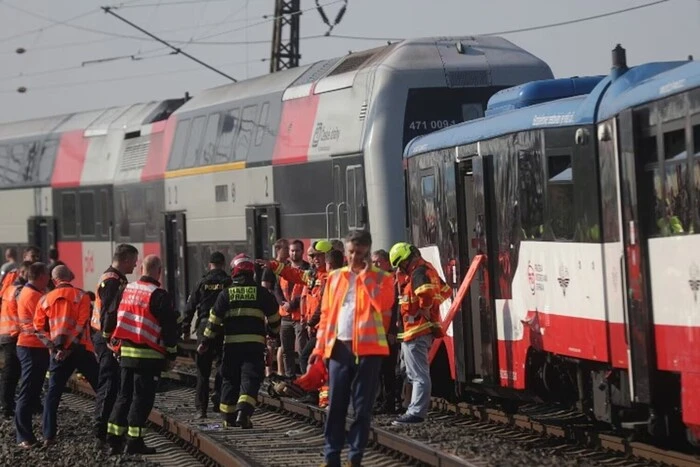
(105, 211)
(151, 225)
(227, 136)
(124, 226)
(428, 208)
(355, 196)
(560, 196)
(178, 151)
(675, 214)
(194, 143)
(68, 215)
(531, 188)
(246, 133)
(262, 123)
(209, 142)
(608, 189)
(87, 213)
(696, 171)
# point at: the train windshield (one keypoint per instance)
(431, 109)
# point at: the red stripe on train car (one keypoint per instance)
(295, 130)
(72, 256)
(162, 133)
(70, 160)
(676, 348)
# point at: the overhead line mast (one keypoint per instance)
(285, 36)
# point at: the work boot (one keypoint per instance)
(116, 445)
(137, 446)
(243, 421)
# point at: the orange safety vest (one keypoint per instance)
(97, 308)
(294, 313)
(26, 305)
(9, 322)
(374, 298)
(67, 309)
(9, 279)
(135, 322)
(424, 290)
(312, 285)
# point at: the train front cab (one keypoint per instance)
(650, 164)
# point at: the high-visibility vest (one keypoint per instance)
(68, 312)
(8, 279)
(135, 322)
(26, 305)
(97, 309)
(429, 292)
(9, 321)
(297, 289)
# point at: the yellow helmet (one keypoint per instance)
(323, 246)
(400, 252)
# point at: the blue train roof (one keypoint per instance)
(638, 85)
(538, 92)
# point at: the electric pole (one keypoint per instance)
(285, 36)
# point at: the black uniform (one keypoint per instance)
(200, 302)
(241, 312)
(140, 369)
(109, 293)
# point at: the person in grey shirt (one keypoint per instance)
(10, 261)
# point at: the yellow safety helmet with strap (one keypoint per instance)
(400, 252)
(323, 246)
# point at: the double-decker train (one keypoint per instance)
(584, 196)
(304, 153)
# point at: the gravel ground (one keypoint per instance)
(75, 445)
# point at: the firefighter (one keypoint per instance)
(61, 322)
(9, 331)
(200, 302)
(32, 354)
(146, 336)
(241, 312)
(420, 301)
(104, 316)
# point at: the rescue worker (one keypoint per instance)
(269, 281)
(62, 323)
(32, 354)
(53, 262)
(31, 254)
(420, 301)
(104, 318)
(147, 335)
(9, 331)
(355, 314)
(200, 302)
(380, 259)
(241, 312)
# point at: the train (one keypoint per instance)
(304, 153)
(583, 196)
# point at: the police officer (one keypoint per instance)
(241, 312)
(147, 335)
(200, 302)
(104, 317)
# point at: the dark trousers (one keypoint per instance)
(137, 393)
(34, 362)
(291, 334)
(59, 372)
(388, 376)
(306, 354)
(204, 363)
(243, 370)
(107, 384)
(350, 381)
(10, 378)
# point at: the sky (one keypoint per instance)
(76, 57)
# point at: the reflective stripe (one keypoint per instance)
(425, 288)
(280, 267)
(213, 319)
(134, 352)
(143, 332)
(246, 399)
(139, 319)
(172, 349)
(416, 330)
(252, 312)
(225, 408)
(243, 338)
(208, 332)
(274, 318)
(116, 430)
(135, 431)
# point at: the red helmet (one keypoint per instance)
(242, 263)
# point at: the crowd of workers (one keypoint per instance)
(345, 314)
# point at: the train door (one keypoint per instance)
(475, 204)
(176, 258)
(41, 231)
(262, 230)
(348, 211)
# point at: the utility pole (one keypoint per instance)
(285, 36)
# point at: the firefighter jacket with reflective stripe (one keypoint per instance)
(290, 292)
(109, 290)
(374, 297)
(146, 324)
(241, 312)
(61, 318)
(204, 296)
(313, 281)
(9, 321)
(27, 302)
(420, 301)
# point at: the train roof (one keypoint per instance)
(612, 94)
